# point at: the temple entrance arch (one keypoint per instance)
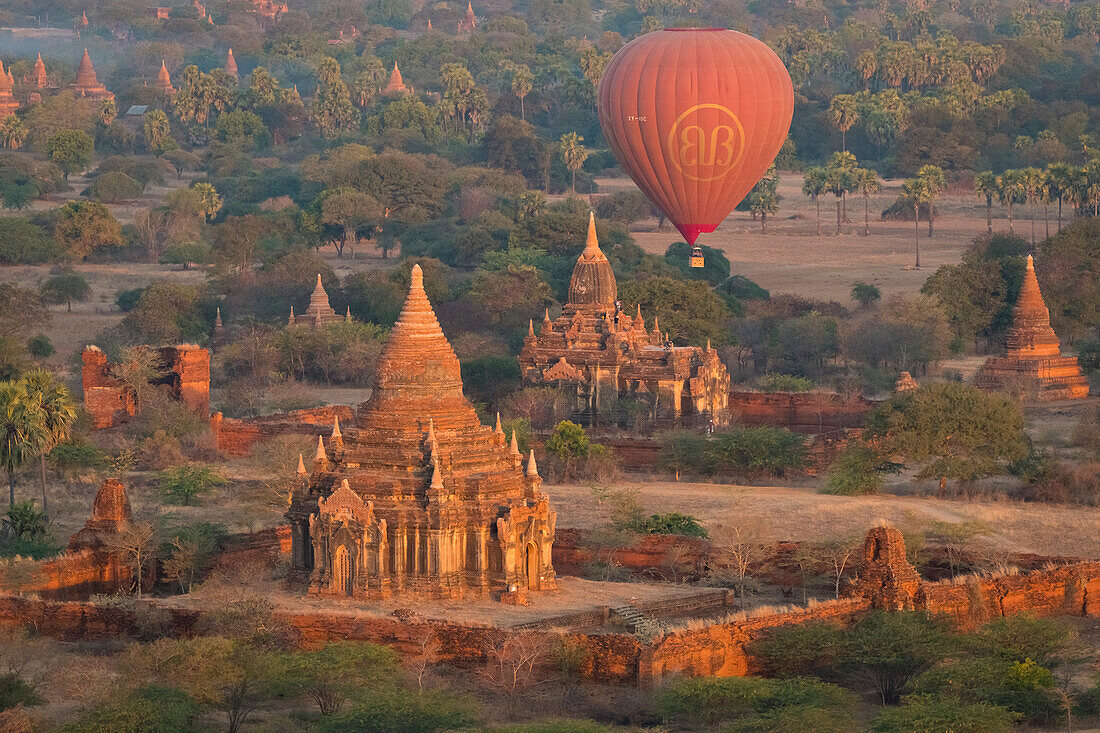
(341, 571)
(532, 566)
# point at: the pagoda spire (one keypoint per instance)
(1030, 333)
(514, 449)
(301, 465)
(498, 430)
(592, 243)
(320, 456)
(337, 437)
(40, 79)
(231, 65)
(437, 476)
(532, 468)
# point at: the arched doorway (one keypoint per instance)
(341, 571)
(532, 566)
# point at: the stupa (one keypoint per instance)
(396, 85)
(605, 355)
(8, 103)
(86, 84)
(418, 497)
(231, 65)
(39, 78)
(1033, 365)
(164, 81)
(319, 313)
(469, 21)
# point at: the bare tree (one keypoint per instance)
(135, 546)
(741, 545)
(839, 553)
(512, 661)
(425, 656)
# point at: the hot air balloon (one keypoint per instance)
(695, 116)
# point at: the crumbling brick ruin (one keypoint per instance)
(886, 577)
(184, 369)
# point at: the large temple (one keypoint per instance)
(418, 497)
(604, 354)
(86, 84)
(1033, 365)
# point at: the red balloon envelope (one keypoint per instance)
(695, 116)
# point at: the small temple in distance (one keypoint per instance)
(231, 65)
(164, 81)
(396, 85)
(320, 312)
(418, 497)
(86, 84)
(605, 354)
(1033, 365)
(469, 21)
(8, 103)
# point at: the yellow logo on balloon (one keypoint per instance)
(706, 152)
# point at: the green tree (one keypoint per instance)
(688, 311)
(844, 113)
(913, 193)
(959, 431)
(522, 83)
(867, 184)
(150, 709)
(71, 150)
(65, 287)
(12, 132)
(569, 443)
(158, 132)
(855, 472)
(22, 431)
(888, 649)
(55, 409)
(83, 227)
(210, 201)
(1034, 181)
(1011, 191)
(985, 184)
(865, 294)
(932, 183)
(838, 181)
(332, 111)
(184, 484)
(757, 451)
(815, 185)
(573, 154)
(351, 211)
(925, 714)
(338, 672)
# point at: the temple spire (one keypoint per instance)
(437, 476)
(1030, 333)
(530, 326)
(321, 455)
(431, 431)
(301, 465)
(337, 436)
(591, 243)
(498, 429)
(532, 468)
(514, 449)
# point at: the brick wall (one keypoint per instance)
(186, 373)
(802, 412)
(236, 437)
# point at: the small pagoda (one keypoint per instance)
(319, 313)
(1033, 365)
(418, 497)
(396, 86)
(86, 84)
(604, 354)
(231, 65)
(164, 81)
(8, 103)
(469, 21)
(39, 79)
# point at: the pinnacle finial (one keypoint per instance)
(345, 485)
(321, 454)
(498, 429)
(530, 326)
(301, 465)
(437, 476)
(514, 449)
(431, 430)
(546, 315)
(591, 244)
(656, 328)
(1030, 263)
(417, 278)
(336, 434)
(532, 468)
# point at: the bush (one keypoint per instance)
(113, 187)
(24, 243)
(402, 711)
(742, 288)
(127, 300)
(184, 484)
(568, 442)
(944, 716)
(673, 523)
(756, 452)
(151, 709)
(772, 382)
(625, 207)
(14, 690)
(1024, 637)
(38, 548)
(855, 472)
(40, 347)
(1024, 687)
(760, 703)
(800, 651)
(27, 521)
(73, 456)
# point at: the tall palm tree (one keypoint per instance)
(932, 184)
(56, 410)
(846, 162)
(21, 431)
(815, 185)
(1010, 191)
(1060, 178)
(985, 184)
(867, 183)
(573, 153)
(912, 190)
(838, 181)
(1033, 181)
(522, 82)
(844, 112)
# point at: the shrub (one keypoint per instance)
(784, 383)
(24, 243)
(760, 703)
(944, 716)
(1021, 687)
(151, 709)
(14, 690)
(855, 472)
(799, 651)
(110, 188)
(73, 456)
(742, 288)
(27, 521)
(401, 711)
(184, 484)
(568, 442)
(756, 452)
(886, 650)
(339, 671)
(40, 347)
(38, 548)
(673, 523)
(1024, 637)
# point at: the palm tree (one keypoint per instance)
(1010, 191)
(54, 405)
(573, 153)
(815, 185)
(1060, 178)
(844, 112)
(764, 202)
(985, 184)
(932, 185)
(12, 132)
(913, 192)
(210, 199)
(838, 181)
(848, 163)
(867, 183)
(1034, 183)
(21, 431)
(522, 82)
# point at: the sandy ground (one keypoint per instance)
(785, 513)
(792, 258)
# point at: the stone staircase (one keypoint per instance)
(639, 623)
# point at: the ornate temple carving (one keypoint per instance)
(1033, 365)
(418, 497)
(605, 354)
